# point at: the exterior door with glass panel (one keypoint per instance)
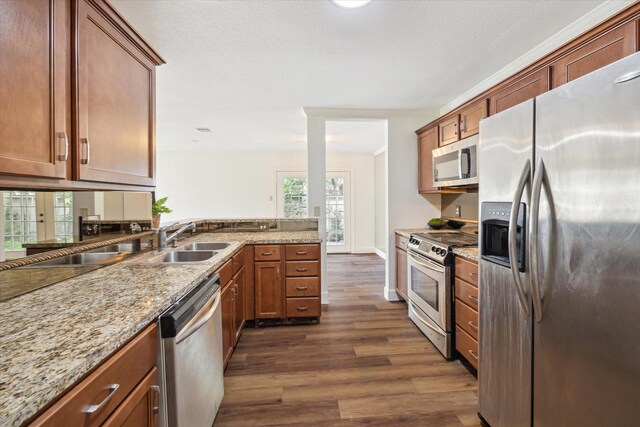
(292, 203)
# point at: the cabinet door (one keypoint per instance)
(141, 407)
(522, 90)
(227, 307)
(269, 292)
(427, 142)
(470, 118)
(401, 273)
(602, 51)
(449, 131)
(116, 104)
(239, 305)
(34, 88)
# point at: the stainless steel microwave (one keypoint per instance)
(456, 164)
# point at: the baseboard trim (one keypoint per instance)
(391, 295)
(380, 253)
(324, 297)
(364, 250)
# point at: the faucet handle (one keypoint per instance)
(164, 227)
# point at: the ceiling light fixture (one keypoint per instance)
(351, 4)
(204, 130)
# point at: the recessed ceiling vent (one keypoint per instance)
(204, 130)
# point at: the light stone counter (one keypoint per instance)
(469, 253)
(52, 337)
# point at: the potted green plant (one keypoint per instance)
(157, 209)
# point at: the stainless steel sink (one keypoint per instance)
(85, 258)
(176, 257)
(206, 246)
(118, 248)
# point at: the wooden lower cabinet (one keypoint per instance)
(238, 314)
(466, 310)
(125, 385)
(269, 289)
(402, 282)
(227, 308)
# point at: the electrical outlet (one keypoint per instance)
(458, 213)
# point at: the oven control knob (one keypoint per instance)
(433, 248)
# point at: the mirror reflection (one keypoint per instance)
(34, 222)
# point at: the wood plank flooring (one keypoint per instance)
(364, 364)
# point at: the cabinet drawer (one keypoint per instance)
(303, 307)
(267, 253)
(467, 270)
(110, 383)
(303, 287)
(238, 261)
(302, 268)
(401, 242)
(466, 293)
(467, 346)
(467, 318)
(226, 272)
(302, 252)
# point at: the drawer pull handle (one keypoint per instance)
(301, 288)
(92, 409)
(266, 253)
(301, 252)
(473, 325)
(473, 298)
(156, 398)
(303, 308)
(301, 269)
(473, 274)
(473, 354)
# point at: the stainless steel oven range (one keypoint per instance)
(430, 274)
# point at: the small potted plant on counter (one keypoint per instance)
(157, 209)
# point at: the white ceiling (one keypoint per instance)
(245, 69)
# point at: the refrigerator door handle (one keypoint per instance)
(513, 232)
(533, 239)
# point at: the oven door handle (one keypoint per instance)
(430, 267)
(425, 321)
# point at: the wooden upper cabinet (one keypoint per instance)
(470, 118)
(598, 53)
(34, 87)
(519, 91)
(448, 130)
(116, 103)
(427, 142)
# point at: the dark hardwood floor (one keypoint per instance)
(364, 364)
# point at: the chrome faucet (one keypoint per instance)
(163, 238)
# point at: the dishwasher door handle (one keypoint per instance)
(197, 323)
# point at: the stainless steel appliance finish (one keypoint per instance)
(573, 360)
(505, 150)
(587, 339)
(456, 164)
(191, 357)
(430, 284)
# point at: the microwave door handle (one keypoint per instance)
(464, 163)
(513, 229)
(421, 263)
(460, 164)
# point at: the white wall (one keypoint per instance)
(244, 185)
(380, 171)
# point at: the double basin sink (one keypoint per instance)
(190, 253)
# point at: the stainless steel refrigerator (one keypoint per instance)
(559, 180)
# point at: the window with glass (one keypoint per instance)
(335, 211)
(19, 219)
(295, 197)
(63, 214)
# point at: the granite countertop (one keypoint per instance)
(469, 253)
(52, 337)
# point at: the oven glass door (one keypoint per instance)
(428, 288)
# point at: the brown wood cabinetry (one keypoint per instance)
(269, 289)
(268, 253)
(123, 390)
(80, 56)
(227, 309)
(466, 309)
(239, 317)
(402, 281)
(519, 91)
(232, 303)
(427, 142)
(602, 51)
(449, 131)
(35, 69)
(470, 118)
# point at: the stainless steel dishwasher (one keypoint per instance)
(191, 357)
